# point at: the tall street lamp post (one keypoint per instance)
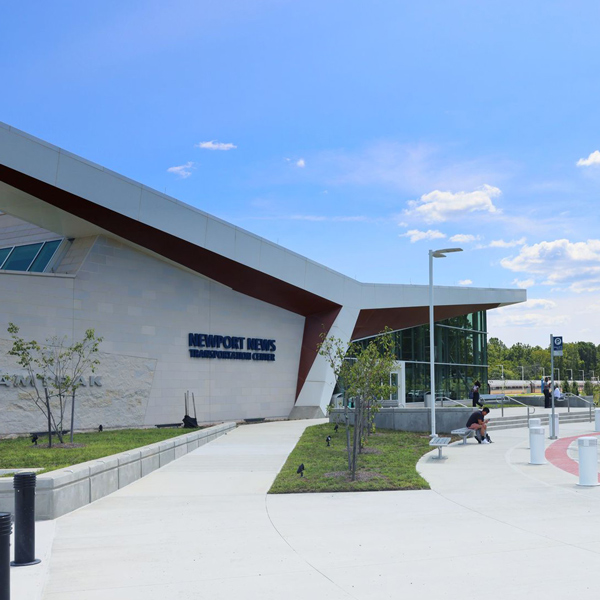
(434, 254)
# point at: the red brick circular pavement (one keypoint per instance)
(556, 454)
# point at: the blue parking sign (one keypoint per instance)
(557, 345)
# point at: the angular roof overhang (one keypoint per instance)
(56, 190)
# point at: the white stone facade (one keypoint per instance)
(144, 308)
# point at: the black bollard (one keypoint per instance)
(5, 529)
(24, 484)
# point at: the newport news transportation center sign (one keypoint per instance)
(233, 347)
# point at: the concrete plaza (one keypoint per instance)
(203, 526)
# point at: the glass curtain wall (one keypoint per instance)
(460, 356)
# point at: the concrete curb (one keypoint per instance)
(63, 491)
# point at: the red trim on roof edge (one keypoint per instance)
(239, 277)
(318, 311)
(314, 327)
(372, 321)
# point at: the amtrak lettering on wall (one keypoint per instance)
(203, 345)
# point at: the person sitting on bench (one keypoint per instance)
(478, 422)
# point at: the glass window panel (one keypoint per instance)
(21, 257)
(4, 252)
(43, 258)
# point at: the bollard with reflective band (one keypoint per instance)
(553, 426)
(5, 529)
(24, 484)
(537, 445)
(597, 412)
(588, 461)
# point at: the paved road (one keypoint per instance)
(204, 527)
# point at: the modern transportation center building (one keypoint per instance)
(185, 301)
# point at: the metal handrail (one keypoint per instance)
(442, 398)
(530, 409)
(570, 395)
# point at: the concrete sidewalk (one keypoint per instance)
(204, 527)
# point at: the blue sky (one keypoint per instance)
(359, 134)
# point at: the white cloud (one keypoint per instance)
(592, 159)
(524, 283)
(572, 316)
(464, 238)
(301, 163)
(538, 303)
(566, 265)
(214, 145)
(438, 206)
(509, 244)
(183, 171)
(533, 313)
(416, 236)
(465, 282)
(409, 168)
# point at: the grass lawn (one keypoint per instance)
(389, 462)
(20, 453)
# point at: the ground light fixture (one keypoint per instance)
(300, 470)
(434, 254)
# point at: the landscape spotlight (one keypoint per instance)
(34, 438)
(336, 427)
(328, 439)
(300, 470)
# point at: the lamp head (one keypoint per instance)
(442, 253)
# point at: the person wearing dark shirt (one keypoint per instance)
(547, 393)
(478, 422)
(475, 394)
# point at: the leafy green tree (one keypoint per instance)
(56, 371)
(587, 355)
(364, 371)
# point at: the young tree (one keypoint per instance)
(56, 372)
(364, 371)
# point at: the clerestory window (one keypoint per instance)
(29, 257)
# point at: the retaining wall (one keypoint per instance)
(62, 491)
(413, 419)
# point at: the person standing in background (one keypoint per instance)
(547, 393)
(476, 388)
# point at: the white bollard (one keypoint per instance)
(597, 411)
(534, 423)
(553, 430)
(588, 461)
(537, 445)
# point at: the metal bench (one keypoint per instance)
(439, 443)
(464, 433)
